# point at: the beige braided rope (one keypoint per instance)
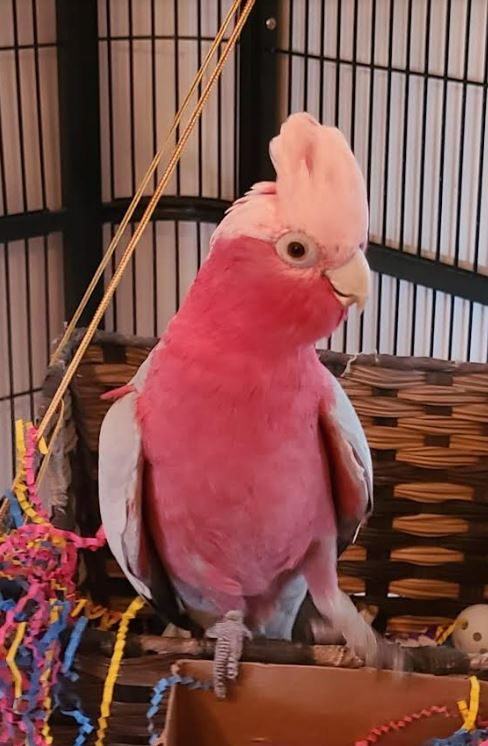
(117, 276)
(140, 190)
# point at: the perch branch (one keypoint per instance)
(433, 660)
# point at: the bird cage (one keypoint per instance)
(89, 92)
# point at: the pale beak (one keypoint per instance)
(351, 283)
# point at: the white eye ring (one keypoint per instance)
(297, 249)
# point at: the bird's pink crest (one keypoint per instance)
(320, 187)
(319, 190)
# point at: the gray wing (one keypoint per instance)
(351, 470)
(121, 495)
(350, 463)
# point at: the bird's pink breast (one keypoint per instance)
(240, 487)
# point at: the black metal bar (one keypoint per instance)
(423, 138)
(404, 179)
(108, 6)
(79, 112)
(177, 264)
(469, 336)
(145, 37)
(19, 107)
(432, 324)
(23, 47)
(199, 244)
(169, 207)
(403, 192)
(235, 119)
(108, 9)
(354, 72)
(199, 91)
(132, 131)
(442, 153)
(431, 274)
(291, 54)
(25, 205)
(19, 394)
(155, 175)
(219, 109)
(176, 48)
(353, 119)
(28, 323)
(10, 362)
(413, 326)
(30, 224)
(481, 181)
(306, 56)
(338, 62)
(450, 340)
(42, 167)
(47, 287)
(462, 143)
(113, 265)
(370, 130)
(442, 145)
(321, 57)
(258, 93)
(40, 128)
(386, 163)
(379, 67)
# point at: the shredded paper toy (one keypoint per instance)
(42, 617)
(472, 733)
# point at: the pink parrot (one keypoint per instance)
(233, 465)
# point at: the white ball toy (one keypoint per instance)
(471, 631)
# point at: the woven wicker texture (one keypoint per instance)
(423, 556)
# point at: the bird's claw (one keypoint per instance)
(230, 633)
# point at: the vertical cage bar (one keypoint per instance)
(10, 366)
(199, 123)
(290, 55)
(7, 299)
(370, 130)
(423, 136)
(306, 55)
(258, 93)
(177, 84)
(479, 195)
(219, 110)
(338, 62)
(108, 9)
(25, 206)
(42, 167)
(154, 246)
(322, 68)
(79, 113)
(442, 145)
(462, 130)
(403, 187)
(133, 145)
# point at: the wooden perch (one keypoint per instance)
(150, 652)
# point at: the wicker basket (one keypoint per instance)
(421, 559)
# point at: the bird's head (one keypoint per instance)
(291, 253)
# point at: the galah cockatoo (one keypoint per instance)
(233, 465)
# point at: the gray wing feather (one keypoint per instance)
(345, 438)
(121, 493)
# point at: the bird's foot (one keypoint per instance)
(230, 633)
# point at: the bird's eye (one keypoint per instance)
(297, 250)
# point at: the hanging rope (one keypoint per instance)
(70, 328)
(117, 276)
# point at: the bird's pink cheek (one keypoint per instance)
(334, 314)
